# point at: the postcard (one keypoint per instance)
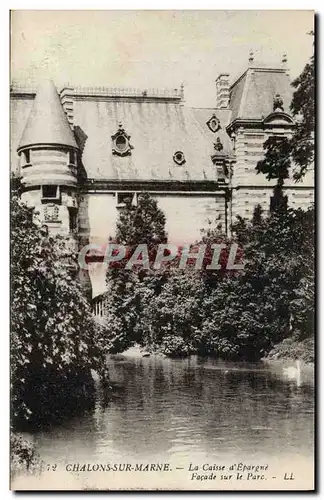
(162, 250)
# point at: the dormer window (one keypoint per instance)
(213, 124)
(121, 144)
(179, 158)
(50, 192)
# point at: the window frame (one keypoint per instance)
(127, 194)
(51, 198)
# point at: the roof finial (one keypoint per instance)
(182, 90)
(251, 57)
(284, 58)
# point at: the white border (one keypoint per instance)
(4, 184)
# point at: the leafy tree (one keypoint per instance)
(300, 148)
(54, 340)
(303, 108)
(257, 215)
(172, 317)
(276, 165)
(140, 224)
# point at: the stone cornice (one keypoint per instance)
(94, 185)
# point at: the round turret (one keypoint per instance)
(49, 161)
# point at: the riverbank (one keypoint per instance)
(287, 350)
(137, 351)
(290, 349)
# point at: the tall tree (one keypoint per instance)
(300, 148)
(276, 165)
(303, 108)
(54, 340)
(143, 223)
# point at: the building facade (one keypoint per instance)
(81, 151)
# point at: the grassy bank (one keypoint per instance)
(290, 349)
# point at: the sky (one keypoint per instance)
(159, 49)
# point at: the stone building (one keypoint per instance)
(80, 151)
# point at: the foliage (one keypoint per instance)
(230, 314)
(276, 165)
(291, 348)
(23, 457)
(303, 108)
(54, 340)
(276, 161)
(300, 148)
(174, 311)
(143, 223)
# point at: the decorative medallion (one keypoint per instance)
(213, 124)
(51, 213)
(179, 158)
(121, 144)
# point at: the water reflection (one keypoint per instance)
(173, 409)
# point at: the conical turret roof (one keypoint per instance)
(47, 122)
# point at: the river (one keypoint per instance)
(197, 410)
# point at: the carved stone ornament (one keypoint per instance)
(121, 144)
(51, 213)
(218, 146)
(214, 124)
(277, 103)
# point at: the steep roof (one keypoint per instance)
(251, 96)
(47, 122)
(202, 115)
(158, 128)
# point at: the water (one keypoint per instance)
(191, 410)
(171, 409)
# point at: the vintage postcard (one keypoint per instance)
(162, 250)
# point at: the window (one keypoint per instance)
(50, 192)
(72, 157)
(121, 145)
(73, 221)
(179, 158)
(213, 124)
(124, 199)
(25, 157)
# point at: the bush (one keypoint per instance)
(230, 314)
(55, 341)
(23, 457)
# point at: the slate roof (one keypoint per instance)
(202, 115)
(251, 96)
(158, 122)
(157, 129)
(47, 122)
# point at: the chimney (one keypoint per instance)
(222, 90)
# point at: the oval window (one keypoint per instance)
(121, 143)
(179, 158)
